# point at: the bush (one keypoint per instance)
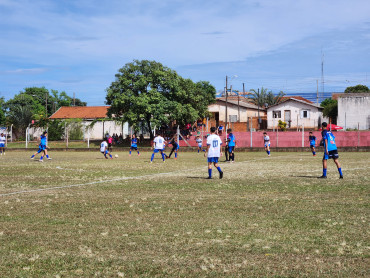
(282, 125)
(55, 130)
(75, 131)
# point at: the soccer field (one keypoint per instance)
(80, 215)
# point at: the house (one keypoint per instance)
(94, 120)
(354, 111)
(296, 111)
(238, 110)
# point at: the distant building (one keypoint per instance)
(94, 119)
(354, 111)
(296, 111)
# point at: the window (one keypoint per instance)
(276, 114)
(305, 114)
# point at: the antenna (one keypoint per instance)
(322, 76)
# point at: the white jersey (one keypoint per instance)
(199, 141)
(214, 142)
(266, 139)
(2, 139)
(103, 146)
(159, 143)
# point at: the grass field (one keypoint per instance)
(80, 215)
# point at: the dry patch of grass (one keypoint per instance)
(267, 217)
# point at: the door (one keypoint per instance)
(287, 118)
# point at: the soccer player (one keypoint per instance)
(266, 139)
(330, 151)
(104, 149)
(43, 147)
(231, 144)
(134, 144)
(158, 146)
(312, 140)
(214, 152)
(175, 147)
(200, 144)
(2, 143)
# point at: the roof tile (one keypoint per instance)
(80, 112)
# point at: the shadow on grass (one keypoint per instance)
(198, 178)
(307, 177)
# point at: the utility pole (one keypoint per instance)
(258, 102)
(226, 104)
(74, 99)
(317, 92)
(46, 105)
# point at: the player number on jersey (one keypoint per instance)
(214, 143)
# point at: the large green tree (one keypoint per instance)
(330, 109)
(2, 112)
(357, 89)
(150, 93)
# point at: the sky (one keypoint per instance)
(281, 45)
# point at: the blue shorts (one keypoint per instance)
(41, 148)
(312, 145)
(2, 145)
(332, 154)
(267, 145)
(158, 150)
(231, 149)
(213, 159)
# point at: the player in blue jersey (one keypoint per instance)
(231, 144)
(134, 144)
(2, 143)
(266, 140)
(175, 148)
(43, 147)
(158, 146)
(330, 151)
(312, 140)
(214, 152)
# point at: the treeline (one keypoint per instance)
(33, 106)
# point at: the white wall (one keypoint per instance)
(100, 128)
(245, 113)
(296, 108)
(354, 111)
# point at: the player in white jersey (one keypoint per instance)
(213, 152)
(104, 149)
(2, 143)
(158, 146)
(200, 144)
(266, 140)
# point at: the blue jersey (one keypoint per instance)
(312, 140)
(44, 140)
(134, 142)
(331, 140)
(232, 140)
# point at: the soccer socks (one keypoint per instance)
(47, 156)
(268, 152)
(41, 158)
(32, 156)
(324, 172)
(210, 173)
(219, 169)
(340, 171)
(175, 155)
(130, 152)
(152, 157)
(314, 153)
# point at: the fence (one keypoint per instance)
(293, 139)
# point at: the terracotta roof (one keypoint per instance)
(242, 103)
(297, 98)
(80, 112)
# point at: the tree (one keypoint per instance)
(2, 112)
(262, 97)
(330, 109)
(148, 92)
(357, 89)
